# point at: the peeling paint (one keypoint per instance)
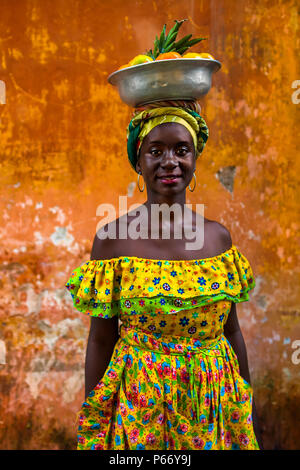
(2, 352)
(72, 386)
(33, 379)
(60, 214)
(226, 177)
(262, 302)
(252, 236)
(131, 188)
(61, 237)
(53, 332)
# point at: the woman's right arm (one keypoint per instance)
(103, 333)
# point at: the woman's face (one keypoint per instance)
(168, 149)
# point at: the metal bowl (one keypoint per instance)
(173, 79)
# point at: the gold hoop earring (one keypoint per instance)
(138, 181)
(194, 185)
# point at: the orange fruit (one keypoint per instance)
(206, 55)
(168, 55)
(200, 55)
(191, 55)
(123, 66)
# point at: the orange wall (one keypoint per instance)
(63, 152)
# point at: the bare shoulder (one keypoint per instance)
(109, 237)
(219, 234)
(224, 236)
(104, 242)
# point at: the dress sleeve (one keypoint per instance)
(244, 273)
(93, 288)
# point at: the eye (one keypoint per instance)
(183, 149)
(180, 150)
(154, 151)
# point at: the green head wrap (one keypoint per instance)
(142, 123)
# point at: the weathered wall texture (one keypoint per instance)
(63, 152)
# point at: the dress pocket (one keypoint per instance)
(99, 384)
(243, 389)
(108, 385)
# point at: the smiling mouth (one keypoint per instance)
(169, 179)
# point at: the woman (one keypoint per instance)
(176, 377)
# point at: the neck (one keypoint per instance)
(179, 199)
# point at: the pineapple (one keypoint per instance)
(166, 44)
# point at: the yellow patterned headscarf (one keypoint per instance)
(143, 122)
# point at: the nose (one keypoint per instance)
(169, 158)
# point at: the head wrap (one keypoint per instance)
(146, 119)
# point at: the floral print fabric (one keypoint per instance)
(173, 380)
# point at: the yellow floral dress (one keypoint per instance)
(173, 381)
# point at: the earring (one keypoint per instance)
(194, 185)
(138, 180)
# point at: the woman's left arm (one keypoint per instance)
(234, 335)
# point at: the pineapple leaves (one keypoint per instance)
(166, 43)
(162, 37)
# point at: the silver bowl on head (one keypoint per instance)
(168, 79)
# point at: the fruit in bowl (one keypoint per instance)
(125, 66)
(168, 44)
(140, 59)
(166, 47)
(198, 55)
(168, 55)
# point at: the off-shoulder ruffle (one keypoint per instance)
(132, 285)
